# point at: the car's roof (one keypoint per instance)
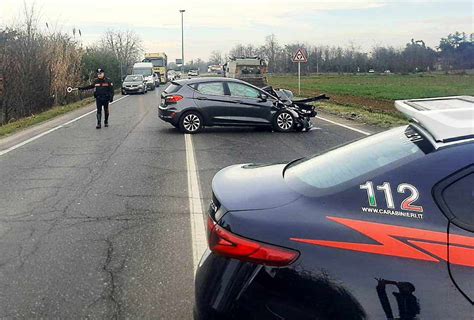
(446, 119)
(206, 79)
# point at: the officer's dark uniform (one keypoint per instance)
(103, 94)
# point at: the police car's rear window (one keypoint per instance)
(359, 158)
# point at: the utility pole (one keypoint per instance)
(182, 42)
(317, 62)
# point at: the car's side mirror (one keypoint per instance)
(263, 97)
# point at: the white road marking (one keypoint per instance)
(344, 126)
(2, 152)
(198, 232)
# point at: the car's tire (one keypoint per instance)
(191, 122)
(283, 121)
(124, 92)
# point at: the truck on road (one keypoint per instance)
(160, 62)
(250, 69)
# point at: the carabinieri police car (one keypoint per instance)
(381, 228)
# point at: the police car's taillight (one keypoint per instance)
(225, 243)
(173, 99)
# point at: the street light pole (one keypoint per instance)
(182, 42)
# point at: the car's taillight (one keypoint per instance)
(173, 99)
(224, 242)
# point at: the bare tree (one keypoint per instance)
(271, 48)
(248, 50)
(216, 57)
(126, 45)
(35, 67)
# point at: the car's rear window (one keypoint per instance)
(212, 88)
(172, 88)
(361, 157)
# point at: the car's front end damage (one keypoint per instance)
(301, 110)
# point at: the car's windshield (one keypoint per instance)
(359, 158)
(157, 62)
(134, 78)
(143, 71)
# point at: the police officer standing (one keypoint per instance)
(103, 94)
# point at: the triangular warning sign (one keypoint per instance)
(300, 56)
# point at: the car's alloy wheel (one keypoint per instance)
(191, 123)
(284, 121)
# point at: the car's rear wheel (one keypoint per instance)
(191, 122)
(283, 121)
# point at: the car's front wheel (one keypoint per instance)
(191, 122)
(283, 121)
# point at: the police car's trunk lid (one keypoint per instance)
(252, 187)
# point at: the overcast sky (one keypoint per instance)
(219, 25)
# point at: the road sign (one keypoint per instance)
(300, 56)
(179, 61)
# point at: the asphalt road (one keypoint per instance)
(96, 223)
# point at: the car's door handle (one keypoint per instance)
(236, 101)
(201, 98)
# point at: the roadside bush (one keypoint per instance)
(35, 68)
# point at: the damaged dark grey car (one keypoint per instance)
(192, 104)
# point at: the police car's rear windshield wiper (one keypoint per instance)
(292, 162)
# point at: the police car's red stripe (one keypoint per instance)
(386, 235)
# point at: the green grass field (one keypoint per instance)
(370, 98)
(382, 87)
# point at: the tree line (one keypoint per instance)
(38, 63)
(454, 52)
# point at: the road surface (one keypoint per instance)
(96, 223)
